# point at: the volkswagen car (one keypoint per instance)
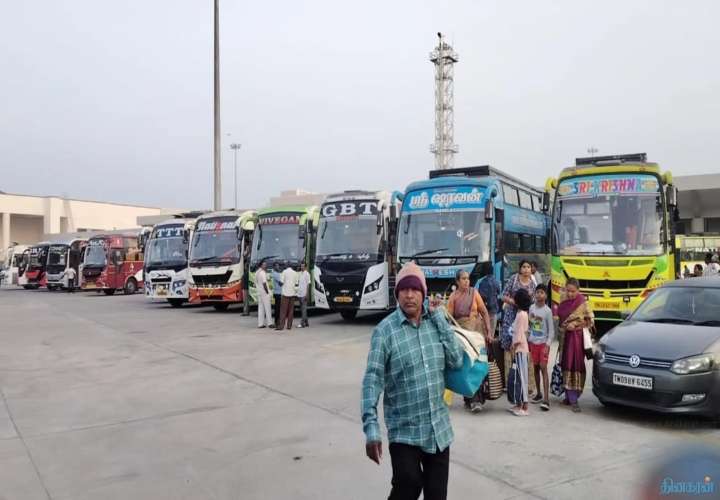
(666, 356)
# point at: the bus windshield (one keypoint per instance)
(625, 224)
(218, 246)
(348, 239)
(167, 251)
(38, 257)
(276, 242)
(444, 234)
(95, 254)
(57, 256)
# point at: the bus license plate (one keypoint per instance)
(634, 381)
(90, 285)
(606, 305)
(344, 300)
(161, 290)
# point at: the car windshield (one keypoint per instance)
(57, 255)
(444, 234)
(609, 224)
(276, 242)
(166, 251)
(219, 246)
(681, 305)
(95, 254)
(350, 239)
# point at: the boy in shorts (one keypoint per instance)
(542, 333)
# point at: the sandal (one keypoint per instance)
(576, 408)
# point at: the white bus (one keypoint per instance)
(14, 265)
(166, 261)
(62, 255)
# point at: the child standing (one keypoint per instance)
(520, 349)
(542, 333)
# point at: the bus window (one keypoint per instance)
(525, 200)
(537, 203)
(510, 195)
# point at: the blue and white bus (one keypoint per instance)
(464, 217)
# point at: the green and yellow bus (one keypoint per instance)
(284, 235)
(613, 229)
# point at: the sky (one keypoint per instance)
(112, 101)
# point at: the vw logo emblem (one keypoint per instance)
(634, 361)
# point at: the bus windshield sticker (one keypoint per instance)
(271, 220)
(445, 198)
(350, 209)
(176, 231)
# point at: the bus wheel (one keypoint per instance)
(130, 287)
(348, 314)
(28, 287)
(109, 291)
(176, 302)
(221, 307)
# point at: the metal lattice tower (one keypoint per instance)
(444, 149)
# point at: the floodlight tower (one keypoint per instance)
(444, 59)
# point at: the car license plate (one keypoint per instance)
(634, 381)
(606, 305)
(344, 300)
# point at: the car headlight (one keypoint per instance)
(600, 355)
(375, 285)
(694, 364)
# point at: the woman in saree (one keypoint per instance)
(573, 314)
(466, 306)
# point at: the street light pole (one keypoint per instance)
(217, 168)
(235, 146)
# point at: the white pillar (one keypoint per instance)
(5, 230)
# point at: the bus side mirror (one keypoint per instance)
(671, 196)
(309, 226)
(489, 210)
(301, 232)
(545, 201)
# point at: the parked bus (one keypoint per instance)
(692, 250)
(218, 258)
(35, 275)
(464, 217)
(14, 265)
(166, 261)
(113, 262)
(285, 236)
(354, 260)
(613, 229)
(62, 255)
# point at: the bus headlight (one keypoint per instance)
(374, 286)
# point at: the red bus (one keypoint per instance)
(35, 275)
(113, 262)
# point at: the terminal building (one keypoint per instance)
(699, 203)
(26, 220)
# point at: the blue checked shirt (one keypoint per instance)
(408, 363)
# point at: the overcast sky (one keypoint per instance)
(113, 100)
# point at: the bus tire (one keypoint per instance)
(28, 287)
(348, 314)
(130, 287)
(176, 302)
(109, 291)
(221, 307)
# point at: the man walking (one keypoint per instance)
(302, 293)
(263, 291)
(277, 291)
(409, 353)
(289, 280)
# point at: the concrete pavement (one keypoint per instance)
(117, 398)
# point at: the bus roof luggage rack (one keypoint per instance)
(612, 160)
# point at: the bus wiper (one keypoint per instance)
(322, 236)
(708, 322)
(427, 252)
(207, 259)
